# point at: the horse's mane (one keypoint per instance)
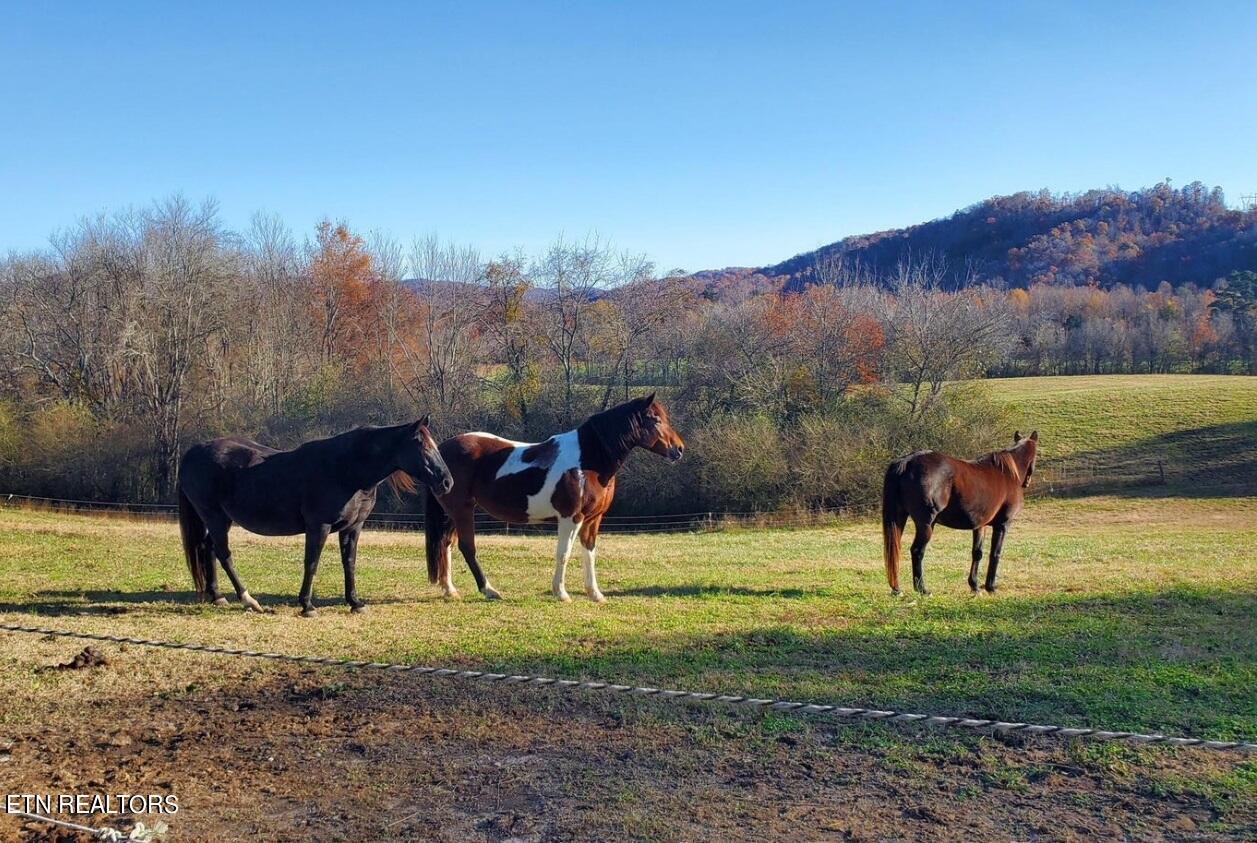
(619, 428)
(1002, 460)
(399, 481)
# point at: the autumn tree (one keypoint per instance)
(340, 291)
(505, 320)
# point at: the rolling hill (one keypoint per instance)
(1104, 237)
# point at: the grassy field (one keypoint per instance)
(1109, 429)
(1132, 610)
(1126, 613)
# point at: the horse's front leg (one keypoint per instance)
(977, 557)
(924, 529)
(997, 547)
(349, 561)
(465, 526)
(589, 541)
(567, 531)
(316, 537)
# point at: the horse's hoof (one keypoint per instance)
(220, 601)
(251, 604)
(564, 597)
(490, 593)
(309, 612)
(452, 594)
(990, 589)
(894, 592)
(357, 608)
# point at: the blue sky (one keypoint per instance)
(704, 135)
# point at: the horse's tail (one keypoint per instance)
(894, 516)
(439, 530)
(195, 548)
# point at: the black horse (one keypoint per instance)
(324, 486)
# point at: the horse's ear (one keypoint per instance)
(1034, 434)
(1016, 436)
(648, 400)
(426, 421)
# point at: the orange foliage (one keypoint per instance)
(342, 292)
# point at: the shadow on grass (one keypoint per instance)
(1213, 461)
(1182, 660)
(89, 603)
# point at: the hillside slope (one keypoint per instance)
(1119, 430)
(1104, 237)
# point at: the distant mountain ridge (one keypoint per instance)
(1104, 237)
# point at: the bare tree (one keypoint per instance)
(185, 270)
(278, 346)
(571, 277)
(633, 313)
(433, 325)
(936, 337)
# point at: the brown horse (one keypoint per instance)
(961, 494)
(568, 478)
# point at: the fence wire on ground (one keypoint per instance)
(981, 725)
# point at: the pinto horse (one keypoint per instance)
(568, 478)
(934, 488)
(324, 486)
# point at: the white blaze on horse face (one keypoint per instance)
(567, 532)
(567, 457)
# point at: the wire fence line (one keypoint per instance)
(682, 522)
(983, 725)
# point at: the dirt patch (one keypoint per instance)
(299, 754)
(89, 657)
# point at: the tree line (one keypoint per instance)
(137, 333)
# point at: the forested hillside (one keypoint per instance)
(1103, 237)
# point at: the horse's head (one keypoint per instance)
(421, 459)
(657, 434)
(1026, 451)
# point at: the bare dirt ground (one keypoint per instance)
(255, 751)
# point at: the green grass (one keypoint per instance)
(1117, 612)
(1202, 428)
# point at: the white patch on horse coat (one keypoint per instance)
(566, 458)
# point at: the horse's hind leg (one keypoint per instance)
(589, 541)
(349, 561)
(465, 527)
(218, 529)
(997, 547)
(206, 556)
(924, 530)
(567, 532)
(977, 557)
